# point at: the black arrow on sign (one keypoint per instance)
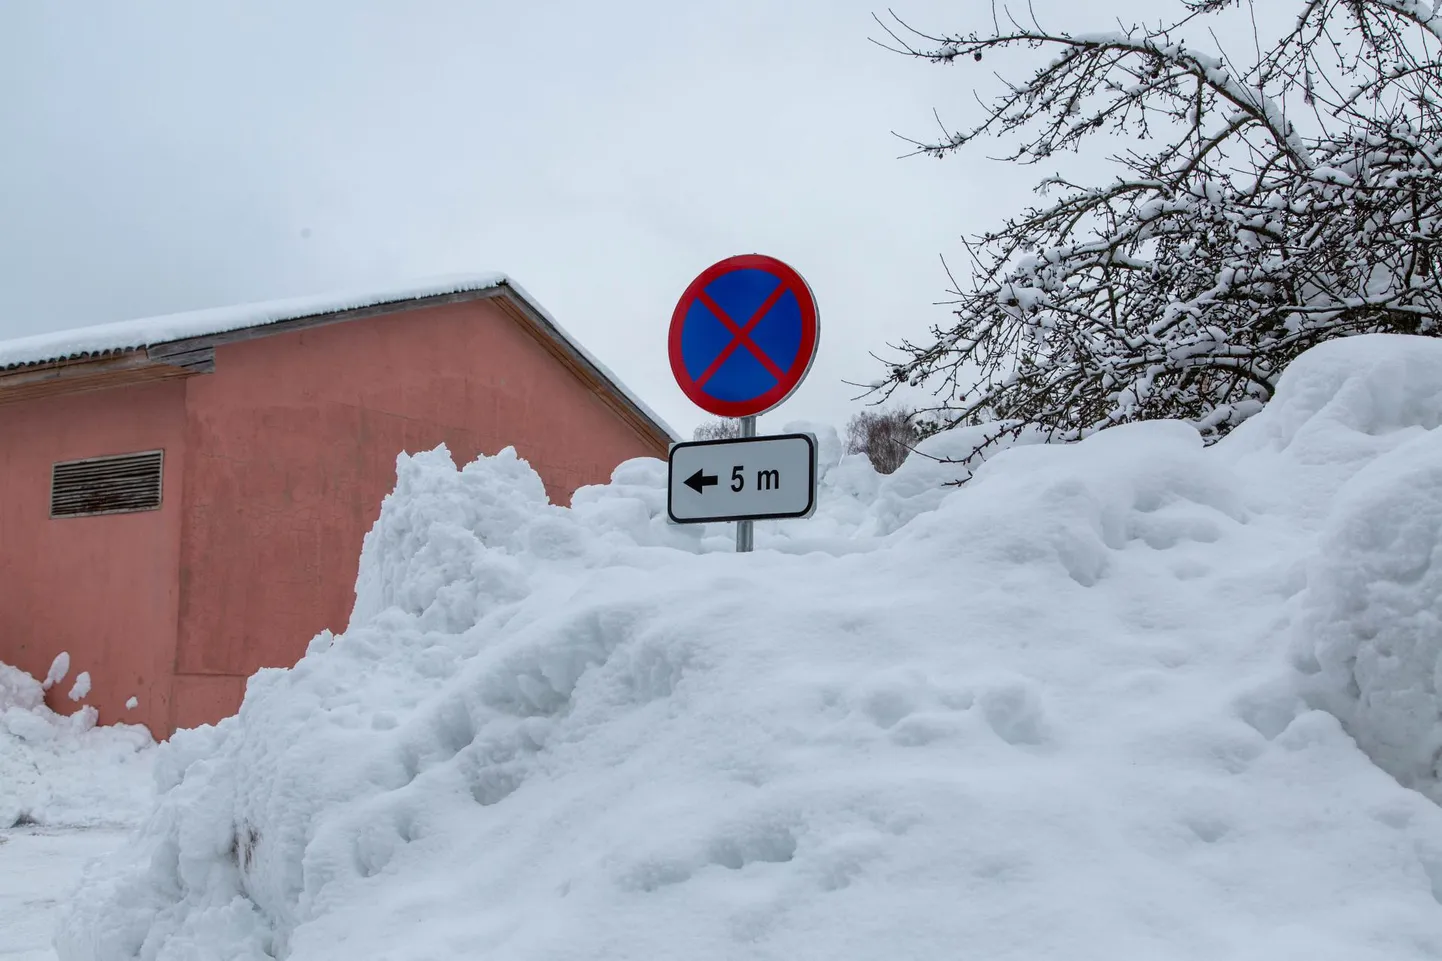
(699, 481)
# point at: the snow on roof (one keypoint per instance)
(131, 334)
(102, 339)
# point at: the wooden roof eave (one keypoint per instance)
(74, 375)
(559, 346)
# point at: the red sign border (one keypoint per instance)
(800, 366)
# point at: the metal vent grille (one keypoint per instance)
(106, 485)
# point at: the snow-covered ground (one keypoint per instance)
(61, 771)
(1127, 699)
(39, 868)
(68, 793)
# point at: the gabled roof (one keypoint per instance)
(185, 342)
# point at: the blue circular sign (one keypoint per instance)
(743, 336)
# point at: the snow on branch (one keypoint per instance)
(1229, 239)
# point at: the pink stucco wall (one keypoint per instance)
(292, 444)
(276, 466)
(101, 588)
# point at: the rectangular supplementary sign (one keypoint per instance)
(749, 478)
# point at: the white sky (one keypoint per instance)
(163, 156)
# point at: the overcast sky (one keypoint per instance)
(164, 156)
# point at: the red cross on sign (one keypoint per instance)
(735, 368)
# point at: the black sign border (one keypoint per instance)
(790, 515)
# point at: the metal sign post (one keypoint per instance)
(742, 339)
(744, 531)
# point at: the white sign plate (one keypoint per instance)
(744, 478)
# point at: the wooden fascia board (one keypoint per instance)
(84, 374)
(76, 367)
(536, 323)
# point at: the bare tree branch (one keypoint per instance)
(1230, 244)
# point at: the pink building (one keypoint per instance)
(183, 500)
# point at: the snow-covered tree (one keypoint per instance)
(722, 428)
(1257, 208)
(885, 436)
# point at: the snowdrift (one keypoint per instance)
(1108, 700)
(63, 771)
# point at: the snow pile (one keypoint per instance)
(1067, 711)
(856, 505)
(63, 771)
(59, 668)
(1369, 634)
